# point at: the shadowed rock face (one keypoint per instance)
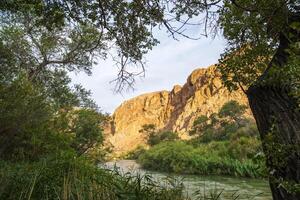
(175, 110)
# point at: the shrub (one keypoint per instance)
(226, 143)
(24, 120)
(219, 126)
(32, 126)
(212, 158)
(153, 136)
(86, 130)
(134, 154)
(162, 136)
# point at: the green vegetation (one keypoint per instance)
(135, 153)
(214, 158)
(46, 39)
(221, 146)
(223, 158)
(154, 137)
(50, 146)
(162, 136)
(51, 132)
(66, 177)
(32, 126)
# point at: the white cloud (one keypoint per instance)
(168, 64)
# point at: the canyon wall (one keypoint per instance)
(176, 110)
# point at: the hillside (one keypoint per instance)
(202, 94)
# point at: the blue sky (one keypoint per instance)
(168, 64)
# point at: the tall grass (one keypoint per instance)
(66, 178)
(69, 178)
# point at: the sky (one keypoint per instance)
(167, 64)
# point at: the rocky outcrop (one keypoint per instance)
(175, 110)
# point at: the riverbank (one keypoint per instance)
(223, 143)
(196, 185)
(215, 158)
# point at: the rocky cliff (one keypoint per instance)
(175, 110)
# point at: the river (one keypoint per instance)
(230, 187)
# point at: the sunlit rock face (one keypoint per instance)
(176, 110)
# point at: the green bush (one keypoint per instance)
(224, 143)
(32, 126)
(154, 136)
(162, 136)
(222, 125)
(24, 120)
(134, 154)
(212, 158)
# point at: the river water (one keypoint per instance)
(229, 187)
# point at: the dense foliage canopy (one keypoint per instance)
(71, 34)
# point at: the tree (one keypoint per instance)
(262, 56)
(36, 57)
(221, 125)
(263, 59)
(149, 130)
(86, 130)
(153, 136)
(24, 114)
(40, 36)
(233, 110)
(31, 126)
(162, 137)
(201, 124)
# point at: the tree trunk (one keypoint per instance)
(277, 116)
(278, 122)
